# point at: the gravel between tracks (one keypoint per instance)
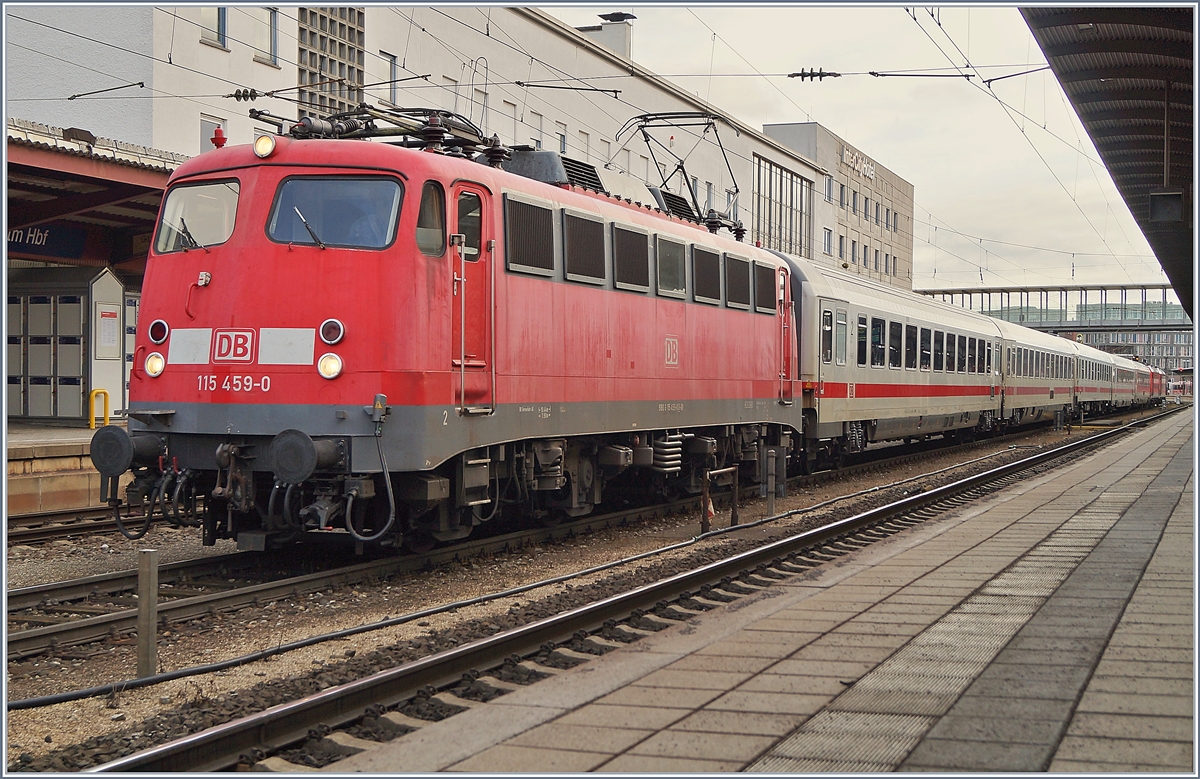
(71, 736)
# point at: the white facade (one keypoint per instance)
(515, 72)
(864, 213)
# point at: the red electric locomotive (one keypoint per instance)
(398, 342)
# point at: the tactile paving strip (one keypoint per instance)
(875, 723)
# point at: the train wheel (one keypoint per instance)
(419, 541)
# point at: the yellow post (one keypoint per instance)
(92, 407)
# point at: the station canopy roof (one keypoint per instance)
(1128, 73)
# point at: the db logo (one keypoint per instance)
(233, 346)
(672, 351)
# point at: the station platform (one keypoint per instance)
(1048, 627)
(49, 467)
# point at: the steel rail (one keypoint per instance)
(221, 746)
(37, 640)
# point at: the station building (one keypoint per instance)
(143, 88)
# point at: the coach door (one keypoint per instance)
(472, 257)
(787, 348)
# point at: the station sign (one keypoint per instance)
(48, 241)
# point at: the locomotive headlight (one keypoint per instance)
(264, 146)
(155, 363)
(329, 366)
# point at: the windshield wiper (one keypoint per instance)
(308, 227)
(187, 235)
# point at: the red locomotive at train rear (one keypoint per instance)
(320, 312)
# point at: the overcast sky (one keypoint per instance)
(979, 170)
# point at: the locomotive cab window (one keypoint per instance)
(357, 212)
(197, 215)
(671, 268)
(470, 224)
(431, 220)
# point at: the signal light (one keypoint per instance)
(158, 331)
(332, 331)
(245, 94)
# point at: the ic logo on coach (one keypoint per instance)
(233, 346)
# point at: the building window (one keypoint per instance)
(829, 189)
(535, 124)
(782, 209)
(212, 25)
(887, 263)
(887, 218)
(708, 195)
(731, 204)
(866, 207)
(331, 59)
(853, 252)
(854, 203)
(842, 195)
(841, 247)
(876, 259)
(208, 126)
(876, 212)
(562, 137)
(864, 255)
(266, 34)
(828, 243)
(393, 75)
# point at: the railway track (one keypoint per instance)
(53, 525)
(49, 617)
(392, 702)
(54, 616)
(563, 639)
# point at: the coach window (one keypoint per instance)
(878, 351)
(895, 343)
(989, 358)
(470, 224)
(671, 268)
(951, 351)
(910, 347)
(862, 340)
(431, 220)
(925, 348)
(962, 354)
(841, 338)
(939, 354)
(826, 336)
(972, 356)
